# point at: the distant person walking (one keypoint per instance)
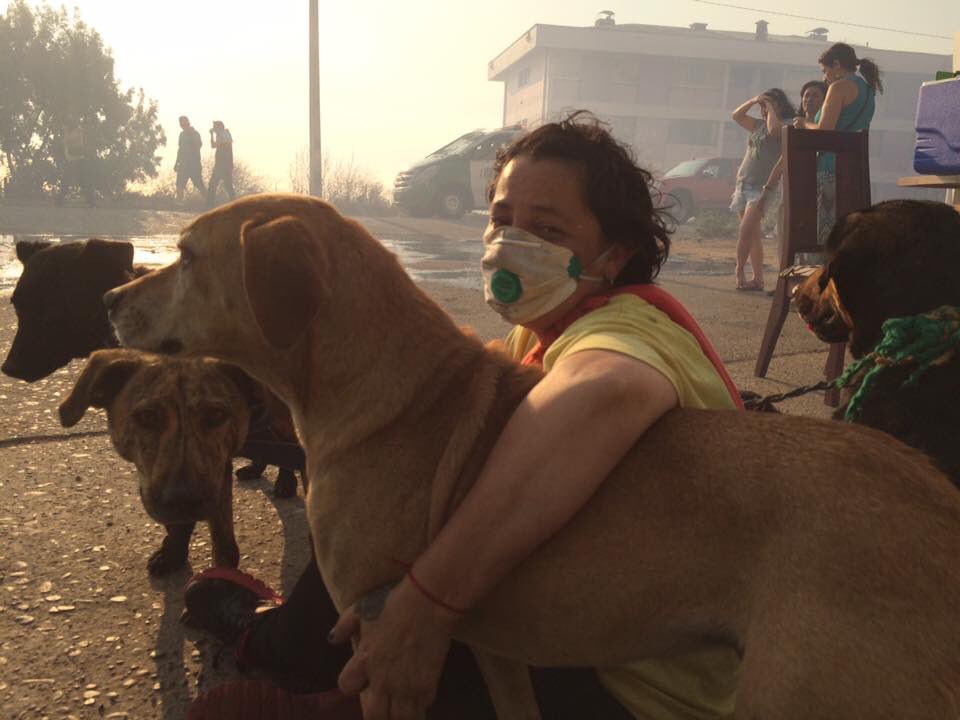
(849, 106)
(188, 166)
(222, 141)
(77, 163)
(762, 154)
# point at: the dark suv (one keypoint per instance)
(454, 179)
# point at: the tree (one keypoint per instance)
(55, 73)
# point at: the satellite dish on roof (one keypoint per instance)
(605, 19)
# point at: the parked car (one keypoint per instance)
(452, 180)
(698, 184)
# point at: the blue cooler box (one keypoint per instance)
(938, 129)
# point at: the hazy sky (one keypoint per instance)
(398, 79)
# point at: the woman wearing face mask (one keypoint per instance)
(849, 105)
(571, 250)
(762, 154)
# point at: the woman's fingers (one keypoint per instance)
(353, 678)
(347, 626)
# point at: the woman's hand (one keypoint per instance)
(401, 639)
(800, 122)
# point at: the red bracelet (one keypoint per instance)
(431, 597)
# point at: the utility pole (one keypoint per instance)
(316, 157)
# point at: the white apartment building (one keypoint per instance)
(669, 91)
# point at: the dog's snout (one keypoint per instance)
(111, 300)
(181, 498)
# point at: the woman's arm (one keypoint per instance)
(773, 121)
(556, 449)
(745, 121)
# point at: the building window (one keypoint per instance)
(624, 128)
(691, 132)
(697, 73)
(741, 76)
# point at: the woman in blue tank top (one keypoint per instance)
(849, 106)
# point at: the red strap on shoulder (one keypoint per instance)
(671, 307)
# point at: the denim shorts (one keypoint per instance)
(747, 193)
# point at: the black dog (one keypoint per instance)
(60, 316)
(896, 259)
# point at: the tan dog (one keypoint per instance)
(840, 588)
(180, 422)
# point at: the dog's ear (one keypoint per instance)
(105, 374)
(250, 389)
(26, 249)
(282, 280)
(111, 256)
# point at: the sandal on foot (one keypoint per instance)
(224, 601)
(752, 286)
(257, 699)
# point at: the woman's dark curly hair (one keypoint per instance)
(617, 190)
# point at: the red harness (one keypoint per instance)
(660, 299)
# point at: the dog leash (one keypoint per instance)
(924, 341)
(766, 403)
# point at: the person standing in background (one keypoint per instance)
(77, 163)
(811, 98)
(188, 165)
(849, 106)
(222, 141)
(759, 159)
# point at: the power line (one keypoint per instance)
(824, 20)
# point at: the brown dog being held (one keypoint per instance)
(896, 259)
(838, 587)
(180, 422)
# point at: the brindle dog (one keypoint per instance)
(60, 316)
(180, 422)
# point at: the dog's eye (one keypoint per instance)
(186, 257)
(149, 418)
(214, 417)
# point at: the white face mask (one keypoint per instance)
(525, 277)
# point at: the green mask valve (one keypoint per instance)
(506, 286)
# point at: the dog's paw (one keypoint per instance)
(250, 472)
(286, 485)
(163, 562)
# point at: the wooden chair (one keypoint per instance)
(800, 148)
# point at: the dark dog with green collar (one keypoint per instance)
(891, 287)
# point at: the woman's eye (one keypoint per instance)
(549, 231)
(498, 222)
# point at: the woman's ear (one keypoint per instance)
(616, 261)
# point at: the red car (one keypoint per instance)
(705, 183)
